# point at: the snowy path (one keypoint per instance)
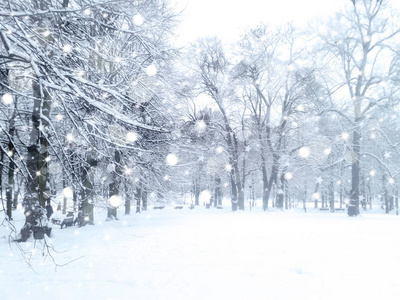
(210, 254)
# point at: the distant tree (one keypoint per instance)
(278, 91)
(212, 69)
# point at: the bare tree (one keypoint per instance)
(361, 41)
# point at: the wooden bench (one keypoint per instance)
(68, 220)
(159, 207)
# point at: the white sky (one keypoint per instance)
(227, 18)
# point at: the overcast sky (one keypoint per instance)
(226, 18)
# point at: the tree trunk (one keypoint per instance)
(128, 199)
(305, 197)
(234, 195)
(11, 168)
(196, 191)
(218, 192)
(332, 195)
(385, 193)
(138, 196)
(114, 186)
(1, 172)
(144, 198)
(354, 207)
(265, 186)
(17, 190)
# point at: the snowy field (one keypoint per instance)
(212, 254)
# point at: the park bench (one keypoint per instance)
(159, 207)
(68, 220)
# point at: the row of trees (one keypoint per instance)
(96, 103)
(306, 114)
(85, 88)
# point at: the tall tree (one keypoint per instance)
(360, 40)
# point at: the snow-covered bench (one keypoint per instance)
(66, 221)
(159, 207)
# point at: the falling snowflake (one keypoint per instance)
(138, 20)
(304, 152)
(372, 173)
(70, 137)
(67, 48)
(327, 151)
(219, 149)
(7, 99)
(200, 126)
(345, 136)
(46, 33)
(114, 201)
(131, 136)
(171, 159)
(151, 70)
(68, 192)
(288, 176)
(128, 171)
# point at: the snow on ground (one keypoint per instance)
(211, 254)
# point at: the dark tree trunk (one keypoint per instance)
(138, 196)
(144, 198)
(315, 192)
(218, 192)
(128, 199)
(332, 195)
(305, 197)
(354, 207)
(11, 168)
(114, 186)
(281, 190)
(1, 172)
(196, 190)
(385, 194)
(234, 196)
(266, 188)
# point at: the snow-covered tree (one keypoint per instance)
(361, 68)
(97, 66)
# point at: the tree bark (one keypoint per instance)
(354, 207)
